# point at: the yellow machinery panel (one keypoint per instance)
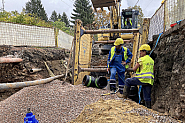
(103, 37)
(84, 58)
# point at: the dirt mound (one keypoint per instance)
(117, 111)
(53, 102)
(55, 58)
(56, 102)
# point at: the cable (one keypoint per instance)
(156, 42)
(136, 2)
(148, 4)
(66, 3)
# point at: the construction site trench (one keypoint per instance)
(59, 101)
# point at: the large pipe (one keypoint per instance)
(4, 86)
(110, 42)
(102, 69)
(10, 60)
(111, 31)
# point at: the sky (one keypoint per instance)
(149, 6)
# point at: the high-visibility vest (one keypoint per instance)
(145, 72)
(113, 53)
(129, 21)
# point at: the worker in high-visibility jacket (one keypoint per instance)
(144, 75)
(128, 23)
(118, 57)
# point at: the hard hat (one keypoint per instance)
(145, 47)
(118, 41)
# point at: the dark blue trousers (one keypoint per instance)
(146, 87)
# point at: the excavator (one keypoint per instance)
(118, 20)
(123, 24)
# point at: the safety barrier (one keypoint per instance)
(27, 35)
(168, 13)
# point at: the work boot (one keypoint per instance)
(126, 91)
(120, 93)
(112, 85)
(148, 104)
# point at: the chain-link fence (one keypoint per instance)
(168, 13)
(25, 35)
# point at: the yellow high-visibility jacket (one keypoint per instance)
(145, 73)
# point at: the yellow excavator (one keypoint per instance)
(125, 19)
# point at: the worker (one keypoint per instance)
(128, 24)
(118, 57)
(144, 75)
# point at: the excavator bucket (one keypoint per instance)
(102, 3)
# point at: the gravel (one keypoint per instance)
(56, 102)
(51, 102)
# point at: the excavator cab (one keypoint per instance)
(129, 18)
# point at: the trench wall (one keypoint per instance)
(168, 92)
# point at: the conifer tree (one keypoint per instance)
(65, 19)
(59, 17)
(82, 11)
(35, 7)
(54, 16)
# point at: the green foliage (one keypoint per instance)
(62, 26)
(35, 7)
(65, 19)
(22, 18)
(140, 16)
(53, 17)
(83, 11)
(31, 19)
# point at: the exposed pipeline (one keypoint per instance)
(33, 70)
(111, 31)
(110, 42)
(101, 69)
(5, 86)
(10, 60)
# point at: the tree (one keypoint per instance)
(82, 11)
(59, 17)
(35, 7)
(53, 16)
(65, 19)
(102, 18)
(140, 16)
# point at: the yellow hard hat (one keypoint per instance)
(145, 47)
(118, 41)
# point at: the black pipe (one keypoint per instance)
(90, 81)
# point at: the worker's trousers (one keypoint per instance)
(146, 87)
(121, 77)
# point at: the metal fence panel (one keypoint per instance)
(156, 23)
(64, 40)
(174, 11)
(17, 34)
(168, 13)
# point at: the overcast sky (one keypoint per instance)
(149, 6)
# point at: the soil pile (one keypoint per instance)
(120, 111)
(58, 102)
(33, 58)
